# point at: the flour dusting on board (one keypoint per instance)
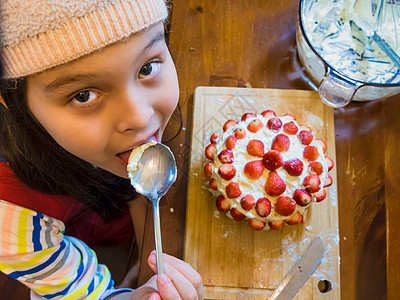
(332, 194)
(314, 119)
(290, 247)
(220, 100)
(328, 267)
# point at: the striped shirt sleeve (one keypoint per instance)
(34, 250)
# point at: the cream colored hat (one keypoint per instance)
(41, 34)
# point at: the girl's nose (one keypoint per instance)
(134, 111)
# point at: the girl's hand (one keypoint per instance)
(180, 280)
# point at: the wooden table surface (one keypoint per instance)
(251, 43)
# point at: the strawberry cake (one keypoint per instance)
(267, 169)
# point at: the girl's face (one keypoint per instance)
(101, 106)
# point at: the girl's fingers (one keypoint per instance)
(148, 291)
(186, 289)
(186, 280)
(166, 288)
(154, 296)
(183, 267)
(186, 270)
(152, 261)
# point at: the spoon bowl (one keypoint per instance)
(155, 173)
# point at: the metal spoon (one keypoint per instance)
(154, 175)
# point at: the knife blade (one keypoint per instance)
(300, 271)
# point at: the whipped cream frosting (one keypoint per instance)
(337, 34)
(135, 156)
(256, 187)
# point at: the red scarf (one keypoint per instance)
(88, 227)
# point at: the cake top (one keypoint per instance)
(267, 169)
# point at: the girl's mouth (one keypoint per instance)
(124, 156)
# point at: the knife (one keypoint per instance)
(300, 271)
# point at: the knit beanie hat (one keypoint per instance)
(41, 34)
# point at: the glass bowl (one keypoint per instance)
(343, 57)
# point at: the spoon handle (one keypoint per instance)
(157, 237)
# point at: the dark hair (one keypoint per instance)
(43, 165)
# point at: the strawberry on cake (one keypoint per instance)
(267, 169)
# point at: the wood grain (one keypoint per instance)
(392, 191)
(235, 261)
(252, 43)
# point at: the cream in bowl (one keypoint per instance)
(338, 45)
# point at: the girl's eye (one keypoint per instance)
(150, 69)
(85, 97)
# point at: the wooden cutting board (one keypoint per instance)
(235, 261)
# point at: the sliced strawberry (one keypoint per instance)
(310, 153)
(255, 125)
(213, 184)
(240, 133)
(290, 116)
(294, 166)
(272, 160)
(222, 203)
(281, 143)
(328, 180)
(230, 142)
(297, 218)
(302, 197)
(228, 124)
(290, 128)
(285, 206)
(233, 190)
(248, 202)
(275, 185)
(255, 148)
(320, 195)
(210, 151)
(305, 137)
(330, 163)
(263, 207)
(226, 156)
(208, 169)
(274, 124)
(315, 167)
(247, 116)
(276, 224)
(323, 144)
(311, 183)
(227, 171)
(213, 138)
(254, 169)
(268, 113)
(256, 224)
(237, 215)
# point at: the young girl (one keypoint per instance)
(84, 82)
